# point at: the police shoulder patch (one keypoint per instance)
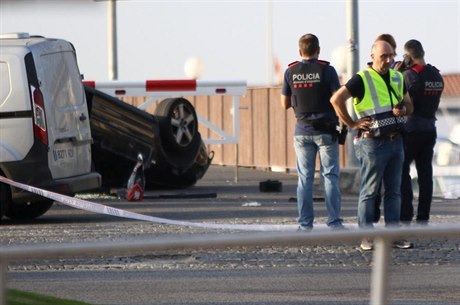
(293, 63)
(323, 62)
(418, 68)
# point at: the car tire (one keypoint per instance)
(28, 211)
(178, 124)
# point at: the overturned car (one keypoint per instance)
(173, 152)
(172, 149)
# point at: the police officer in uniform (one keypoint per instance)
(425, 85)
(395, 65)
(380, 102)
(307, 87)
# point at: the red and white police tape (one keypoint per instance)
(107, 210)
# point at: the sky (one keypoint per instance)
(156, 38)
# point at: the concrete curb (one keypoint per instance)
(350, 180)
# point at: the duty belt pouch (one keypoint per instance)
(343, 135)
(326, 126)
(323, 125)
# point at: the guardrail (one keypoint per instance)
(383, 238)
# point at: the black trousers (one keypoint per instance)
(418, 147)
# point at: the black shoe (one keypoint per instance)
(422, 222)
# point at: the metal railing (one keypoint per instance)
(382, 237)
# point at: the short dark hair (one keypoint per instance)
(308, 44)
(388, 38)
(414, 48)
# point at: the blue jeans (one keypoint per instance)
(306, 149)
(380, 159)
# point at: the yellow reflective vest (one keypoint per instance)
(378, 98)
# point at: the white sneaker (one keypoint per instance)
(402, 244)
(304, 229)
(367, 244)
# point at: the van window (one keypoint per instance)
(63, 80)
(4, 82)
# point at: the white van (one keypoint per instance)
(45, 136)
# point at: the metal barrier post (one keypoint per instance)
(3, 269)
(379, 280)
(236, 131)
(236, 163)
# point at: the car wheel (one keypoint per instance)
(28, 211)
(178, 123)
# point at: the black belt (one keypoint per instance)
(324, 125)
(389, 136)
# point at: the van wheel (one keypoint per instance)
(178, 123)
(28, 211)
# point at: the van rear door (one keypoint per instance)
(67, 119)
(16, 138)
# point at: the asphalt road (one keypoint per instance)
(417, 285)
(318, 274)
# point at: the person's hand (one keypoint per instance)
(399, 66)
(363, 124)
(399, 111)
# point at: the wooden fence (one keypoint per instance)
(266, 129)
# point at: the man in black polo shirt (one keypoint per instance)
(425, 85)
(307, 88)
